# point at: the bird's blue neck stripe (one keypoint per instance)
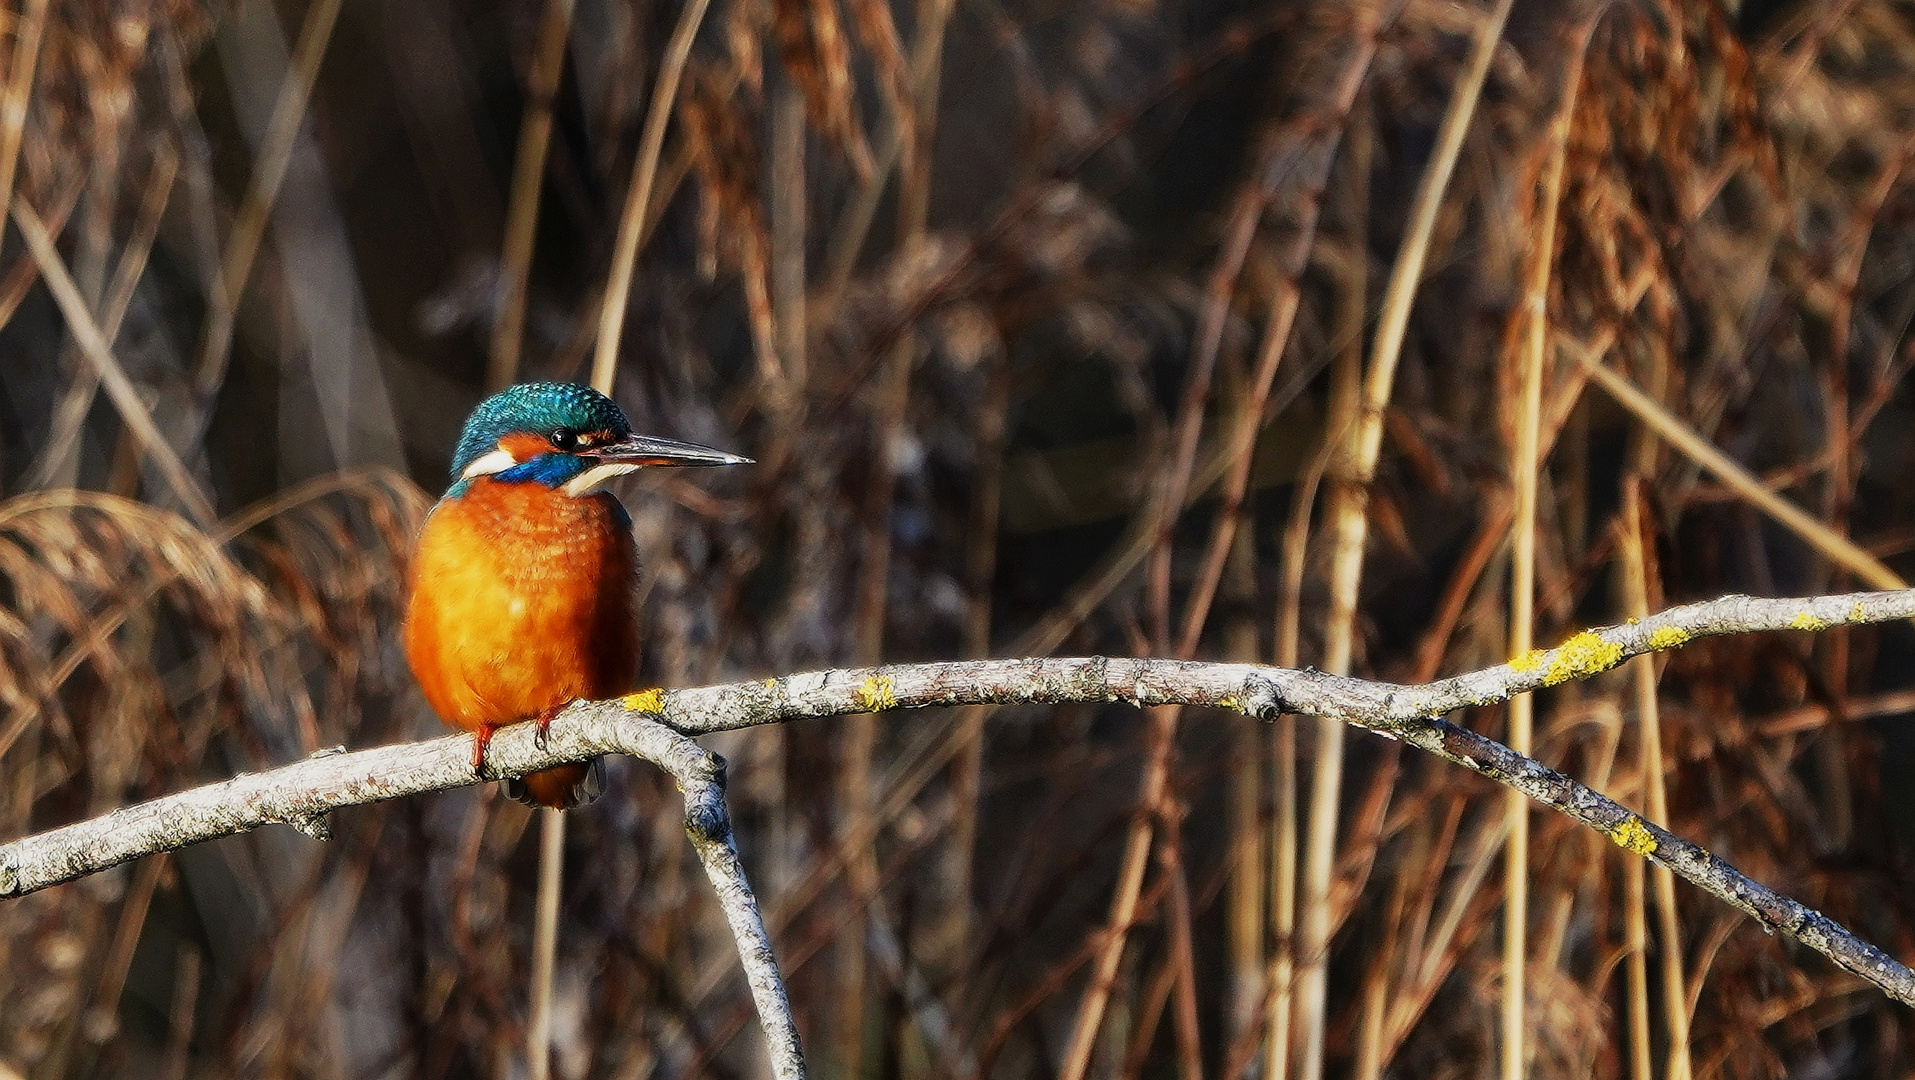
(552, 470)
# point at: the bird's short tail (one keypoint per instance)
(561, 788)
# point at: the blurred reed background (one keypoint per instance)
(1054, 327)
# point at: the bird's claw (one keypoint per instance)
(544, 721)
(481, 738)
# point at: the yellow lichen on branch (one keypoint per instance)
(1808, 622)
(876, 694)
(1667, 637)
(646, 701)
(1527, 662)
(1633, 837)
(1580, 657)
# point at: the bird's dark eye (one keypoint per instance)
(565, 439)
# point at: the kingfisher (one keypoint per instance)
(522, 593)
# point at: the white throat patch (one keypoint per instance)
(496, 462)
(596, 475)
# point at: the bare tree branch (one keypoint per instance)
(701, 776)
(302, 794)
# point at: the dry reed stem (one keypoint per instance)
(1318, 149)
(180, 1022)
(1239, 444)
(1525, 465)
(269, 172)
(1160, 742)
(1352, 524)
(1283, 898)
(897, 83)
(28, 28)
(871, 602)
(545, 923)
(1655, 798)
(658, 113)
(938, 749)
(1053, 980)
(25, 273)
(102, 1017)
(68, 417)
(981, 557)
(545, 939)
(522, 211)
(1143, 1036)
(1636, 943)
(119, 389)
(789, 209)
(1188, 430)
(1174, 490)
(906, 138)
(1340, 419)
(1837, 548)
(1245, 910)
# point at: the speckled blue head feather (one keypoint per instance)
(586, 441)
(538, 409)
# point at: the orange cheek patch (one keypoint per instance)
(524, 446)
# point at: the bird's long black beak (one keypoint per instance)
(649, 450)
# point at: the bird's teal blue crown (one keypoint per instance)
(588, 441)
(537, 409)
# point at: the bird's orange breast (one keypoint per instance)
(521, 600)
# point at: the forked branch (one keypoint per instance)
(657, 725)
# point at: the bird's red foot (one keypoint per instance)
(481, 738)
(544, 721)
